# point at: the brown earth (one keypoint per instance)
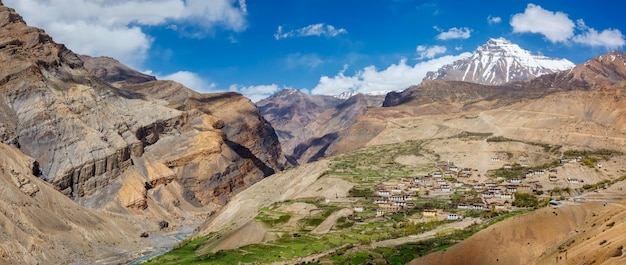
(175, 156)
(576, 233)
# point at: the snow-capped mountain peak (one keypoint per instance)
(497, 62)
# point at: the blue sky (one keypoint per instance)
(319, 46)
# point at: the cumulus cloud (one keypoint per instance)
(608, 38)
(557, 27)
(256, 93)
(190, 80)
(429, 52)
(453, 33)
(372, 80)
(317, 30)
(112, 28)
(494, 20)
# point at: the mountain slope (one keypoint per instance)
(41, 226)
(497, 62)
(114, 72)
(120, 152)
(308, 125)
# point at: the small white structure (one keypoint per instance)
(380, 212)
(445, 188)
(453, 216)
(359, 209)
(507, 166)
(463, 206)
(495, 159)
(477, 207)
(515, 181)
(383, 193)
(572, 180)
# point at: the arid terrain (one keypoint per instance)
(103, 164)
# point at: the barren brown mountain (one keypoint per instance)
(445, 116)
(131, 154)
(309, 125)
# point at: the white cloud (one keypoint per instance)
(430, 52)
(494, 20)
(98, 27)
(371, 80)
(256, 93)
(453, 33)
(317, 30)
(555, 26)
(190, 80)
(608, 38)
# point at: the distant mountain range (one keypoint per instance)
(497, 62)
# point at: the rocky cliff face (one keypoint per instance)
(246, 130)
(108, 147)
(309, 125)
(113, 72)
(38, 225)
(497, 62)
(146, 150)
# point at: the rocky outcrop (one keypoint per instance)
(248, 133)
(114, 72)
(309, 125)
(86, 134)
(125, 152)
(38, 225)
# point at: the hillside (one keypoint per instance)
(309, 125)
(159, 162)
(505, 138)
(581, 233)
(40, 225)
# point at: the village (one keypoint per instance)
(397, 196)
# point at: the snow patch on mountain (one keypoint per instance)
(497, 62)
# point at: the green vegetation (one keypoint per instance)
(369, 166)
(472, 135)
(525, 200)
(361, 192)
(546, 147)
(518, 171)
(404, 253)
(591, 157)
(272, 218)
(350, 237)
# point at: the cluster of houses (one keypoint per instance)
(400, 196)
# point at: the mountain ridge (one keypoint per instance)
(497, 62)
